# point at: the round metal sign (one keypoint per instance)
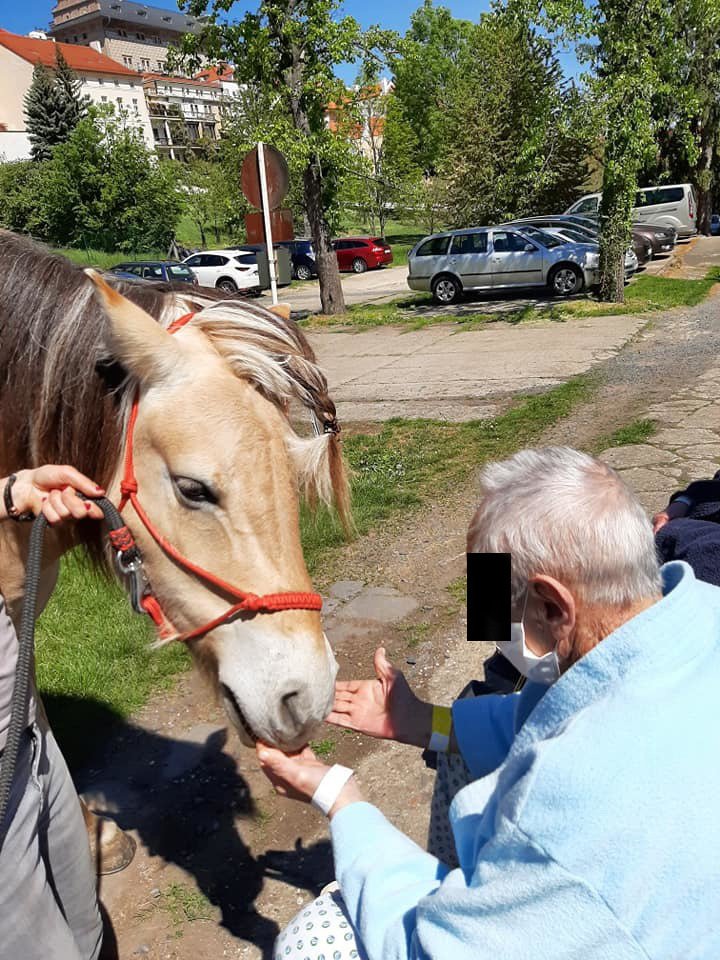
(278, 177)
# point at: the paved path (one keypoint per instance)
(452, 374)
(686, 447)
(375, 285)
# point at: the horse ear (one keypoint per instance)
(134, 339)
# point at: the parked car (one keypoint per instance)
(641, 246)
(662, 240)
(570, 235)
(304, 265)
(671, 205)
(482, 258)
(715, 224)
(161, 271)
(362, 253)
(229, 270)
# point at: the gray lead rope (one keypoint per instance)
(26, 644)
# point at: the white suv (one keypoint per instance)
(230, 270)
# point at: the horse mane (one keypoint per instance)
(63, 400)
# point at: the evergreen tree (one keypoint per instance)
(53, 107)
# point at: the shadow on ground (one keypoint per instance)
(186, 801)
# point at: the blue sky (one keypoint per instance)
(392, 14)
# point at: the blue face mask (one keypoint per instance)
(543, 669)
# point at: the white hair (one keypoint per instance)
(563, 513)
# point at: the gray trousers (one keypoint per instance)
(48, 899)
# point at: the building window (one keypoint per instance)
(135, 106)
(101, 81)
(84, 36)
(104, 99)
(119, 101)
(145, 64)
(140, 36)
(122, 33)
(161, 65)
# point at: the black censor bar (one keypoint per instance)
(488, 596)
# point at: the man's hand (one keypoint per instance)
(56, 492)
(297, 775)
(659, 520)
(385, 707)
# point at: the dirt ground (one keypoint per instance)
(222, 863)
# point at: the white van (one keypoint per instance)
(674, 205)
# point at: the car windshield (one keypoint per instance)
(544, 239)
(574, 235)
(248, 258)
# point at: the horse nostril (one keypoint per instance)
(290, 705)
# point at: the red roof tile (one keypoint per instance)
(79, 58)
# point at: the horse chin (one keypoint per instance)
(237, 717)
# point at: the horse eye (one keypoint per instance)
(194, 490)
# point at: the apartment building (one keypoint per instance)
(134, 34)
(184, 113)
(103, 80)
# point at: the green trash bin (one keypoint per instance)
(283, 263)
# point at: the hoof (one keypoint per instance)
(112, 849)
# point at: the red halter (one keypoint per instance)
(121, 539)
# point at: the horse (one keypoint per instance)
(218, 466)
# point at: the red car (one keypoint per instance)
(362, 253)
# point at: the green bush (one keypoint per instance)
(102, 188)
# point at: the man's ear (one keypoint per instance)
(144, 349)
(559, 610)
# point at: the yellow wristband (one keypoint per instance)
(441, 727)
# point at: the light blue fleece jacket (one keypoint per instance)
(593, 832)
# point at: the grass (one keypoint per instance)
(367, 315)
(409, 462)
(416, 633)
(323, 748)
(94, 661)
(636, 432)
(185, 905)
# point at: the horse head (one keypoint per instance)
(218, 469)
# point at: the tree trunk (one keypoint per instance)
(203, 239)
(615, 235)
(703, 180)
(331, 291)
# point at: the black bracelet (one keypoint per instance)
(10, 508)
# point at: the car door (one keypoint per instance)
(199, 266)
(470, 259)
(516, 260)
(342, 248)
(430, 258)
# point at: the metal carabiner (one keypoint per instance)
(137, 582)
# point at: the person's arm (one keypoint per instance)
(55, 491)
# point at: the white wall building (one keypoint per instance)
(103, 80)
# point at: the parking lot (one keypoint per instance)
(377, 286)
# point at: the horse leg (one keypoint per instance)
(112, 849)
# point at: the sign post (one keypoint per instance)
(272, 260)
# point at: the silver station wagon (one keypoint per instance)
(498, 258)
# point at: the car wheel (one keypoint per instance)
(446, 290)
(566, 280)
(359, 265)
(226, 284)
(303, 272)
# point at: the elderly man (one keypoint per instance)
(591, 829)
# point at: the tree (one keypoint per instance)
(102, 188)
(621, 41)
(208, 197)
(424, 68)
(687, 107)
(385, 167)
(504, 162)
(53, 106)
(289, 50)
